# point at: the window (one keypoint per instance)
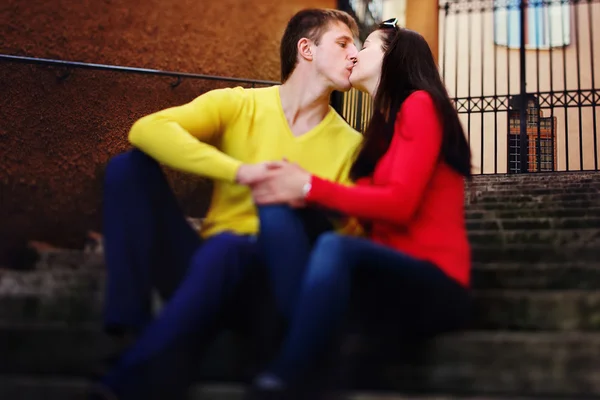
(547, 156)
(547, 23)
(545, 124)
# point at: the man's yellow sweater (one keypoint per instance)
(216, 133)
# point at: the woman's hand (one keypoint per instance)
(283, 184)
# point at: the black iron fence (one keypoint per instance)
(522, 76)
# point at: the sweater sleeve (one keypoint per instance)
(414, 153)
(178, 137)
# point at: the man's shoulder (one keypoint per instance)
(253, 97)
(239, 99)
(240, 93)
(259, 94)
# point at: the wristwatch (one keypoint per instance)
(306, 189)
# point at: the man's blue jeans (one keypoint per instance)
(150, 245)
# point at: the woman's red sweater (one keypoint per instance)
(414, 201)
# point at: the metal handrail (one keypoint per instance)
(118, 68)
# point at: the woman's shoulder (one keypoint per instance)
(417, 114)
(418, 104)
(419, 98)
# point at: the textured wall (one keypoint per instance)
(57, 133)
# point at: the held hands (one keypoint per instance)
(249, 174)
(281, 183)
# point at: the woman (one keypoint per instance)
(408, 194)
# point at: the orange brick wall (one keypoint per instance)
(56, 135)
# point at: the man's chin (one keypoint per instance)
(344, 87)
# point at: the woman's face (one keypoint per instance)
(367, 70)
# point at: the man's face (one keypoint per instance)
(334, 56)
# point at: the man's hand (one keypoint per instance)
(283, 184)
(249, 174)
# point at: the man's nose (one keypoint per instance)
(353, 52)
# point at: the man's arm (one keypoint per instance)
(178, 137)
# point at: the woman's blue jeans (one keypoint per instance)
(389, 290)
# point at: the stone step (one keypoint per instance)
(77, 296)
(523, 207)
(51, 282)
(478, 213)
(527, 198)
(503, 190)
(494, 309)
(569, 310)
(69, 259)
(498, 224)
(58, 294)
(69, 309)
(473, 362)
(532, 187)
(550, 237)
(19, 387)
(532, 253)
(540, 276)
(551, 178)
(74, 296)
(500, 362)
(483, 226)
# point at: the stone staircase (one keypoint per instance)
(536, 331)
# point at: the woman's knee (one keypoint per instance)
(128, 167)
(333, 243)
(332, 254)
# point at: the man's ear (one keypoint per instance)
(305, 49)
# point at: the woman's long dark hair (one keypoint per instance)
(408, 65)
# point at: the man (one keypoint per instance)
(226, 135)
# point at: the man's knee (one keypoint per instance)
(126, 167)
(276, 213)
(224, 253)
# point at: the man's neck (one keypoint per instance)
(305, 105)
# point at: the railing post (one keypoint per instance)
(359, 114)
(524, 140)
(337, 101)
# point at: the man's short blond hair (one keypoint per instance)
(311, 24)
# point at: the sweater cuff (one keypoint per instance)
(318, 190)
(228, 169)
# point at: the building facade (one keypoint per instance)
(491, 79)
